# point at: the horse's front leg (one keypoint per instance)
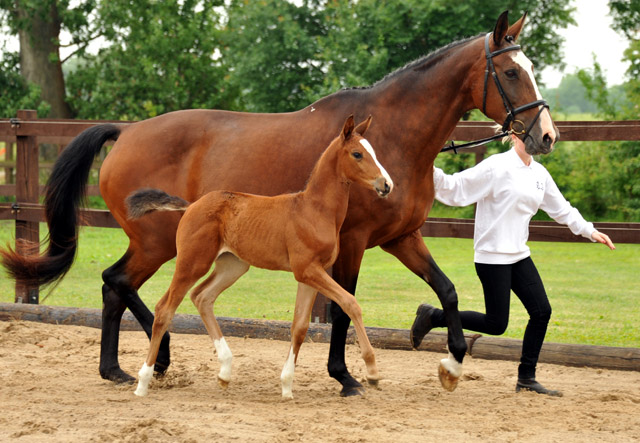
(345, 273)
(413, 253)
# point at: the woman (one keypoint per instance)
(508, 188)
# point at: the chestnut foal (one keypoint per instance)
(291, 232)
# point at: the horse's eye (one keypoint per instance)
(511, 74)
(357, 155)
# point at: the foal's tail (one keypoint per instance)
(65, 192)
(144, 201)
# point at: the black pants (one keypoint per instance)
(497, 282)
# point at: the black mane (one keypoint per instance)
(423, 63)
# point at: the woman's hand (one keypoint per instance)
(603, 238)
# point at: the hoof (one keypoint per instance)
(118, 376)
(373, 382)
(224, 384)
(160, 368)
(352, 391)
(448, 381)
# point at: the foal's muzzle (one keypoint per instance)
(383, 187)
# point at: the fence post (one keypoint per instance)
(27, 191)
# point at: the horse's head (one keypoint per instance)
(358, 159)
(508, 92)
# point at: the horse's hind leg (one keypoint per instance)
(228, 269)
(345, 273)
(304, 303)
(118, 293)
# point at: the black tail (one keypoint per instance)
(65, 192)
(144, 201)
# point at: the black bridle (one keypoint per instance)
(510, 120)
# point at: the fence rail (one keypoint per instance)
(27, 131)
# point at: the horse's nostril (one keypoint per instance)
(547, 140)
(387, 188)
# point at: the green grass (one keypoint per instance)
(593, 291)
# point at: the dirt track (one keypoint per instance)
(50, 391)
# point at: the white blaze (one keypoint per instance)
(364, 142)
(526, 65)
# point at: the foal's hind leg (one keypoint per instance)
(165, 310)
(195, 257)
(304, 303)
(228, 270)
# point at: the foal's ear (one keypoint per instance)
(347, 129)
(501, 29)
(362, 127)
(514, 30)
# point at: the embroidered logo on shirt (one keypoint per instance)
(539, 186)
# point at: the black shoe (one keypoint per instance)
(530, 384)
(421, 325)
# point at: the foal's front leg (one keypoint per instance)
(318, 278)
(304, 303)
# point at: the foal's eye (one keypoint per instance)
(511, 74)
(357, 155)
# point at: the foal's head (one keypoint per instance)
(358, 159)
(506, 89)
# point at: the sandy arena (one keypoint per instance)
(50, 391)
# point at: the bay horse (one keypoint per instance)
(189, 153)
(296, 232)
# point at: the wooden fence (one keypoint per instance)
(27, 131)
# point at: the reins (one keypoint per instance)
(510, 120)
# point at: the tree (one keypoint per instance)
(15, 93)
(38, 24)
(270, 50)
(159, 57)
(602, 179)
(366, 40)
(269, 55)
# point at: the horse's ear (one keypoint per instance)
(347, 129)
(514, 30)
(501, 29)
(362, 127)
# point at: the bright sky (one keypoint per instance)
(592, 35)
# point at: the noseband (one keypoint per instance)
(510, 121)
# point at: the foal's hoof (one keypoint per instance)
(373, 382)
(224, 384)
(448, 381)
(352, 391)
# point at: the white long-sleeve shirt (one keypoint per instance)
(508, 194)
